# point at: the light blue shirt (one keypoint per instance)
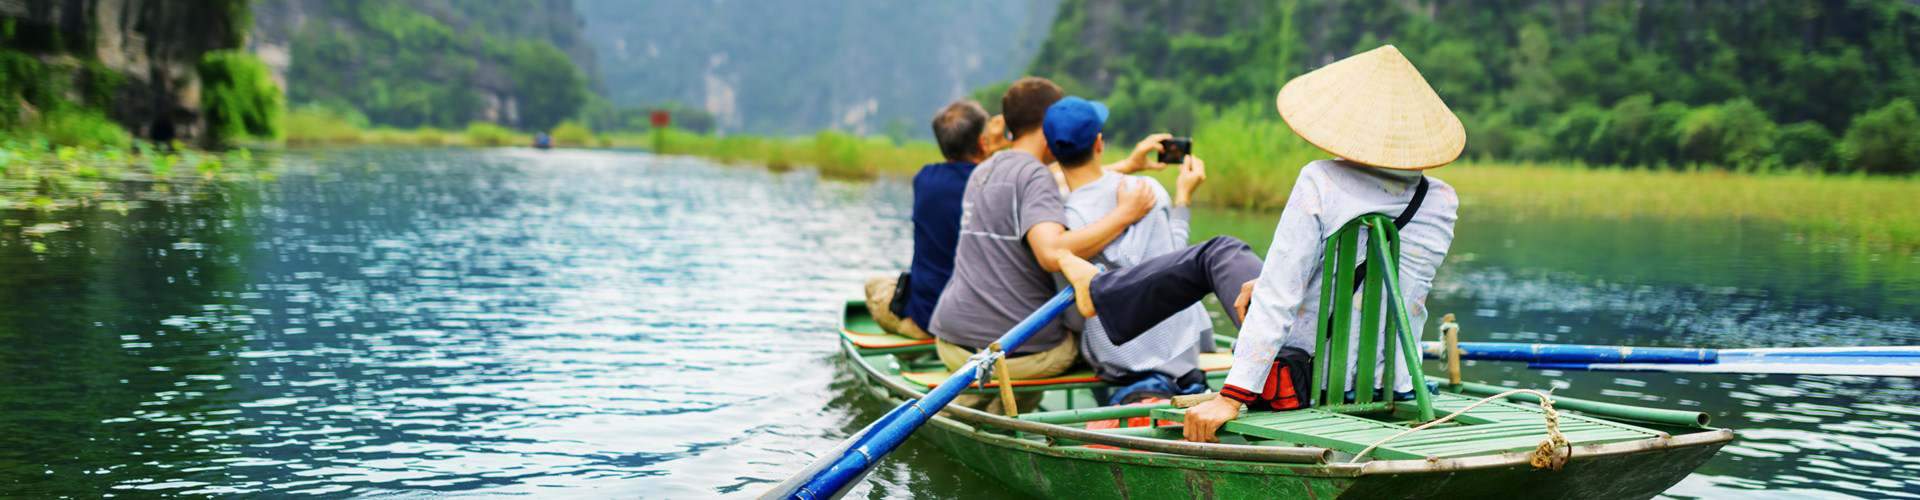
(1171, 347)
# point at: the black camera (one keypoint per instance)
(1174, 150)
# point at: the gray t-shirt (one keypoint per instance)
(996, 281)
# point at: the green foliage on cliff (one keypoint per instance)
(25, 83)
(435, 64)
(37, 100)
(1616, 82)
(550, 87)
(239, 97)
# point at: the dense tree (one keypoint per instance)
(549, 88)
(1602, 81)
(1884, 140)
(1735, 133)
(1805, 144)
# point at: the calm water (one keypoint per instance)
(613, 324)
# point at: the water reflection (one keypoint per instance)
(94, 385)
(613, 324)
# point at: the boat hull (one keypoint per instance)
(1620, 470)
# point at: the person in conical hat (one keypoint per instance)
(1383, 125)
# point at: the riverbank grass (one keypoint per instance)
(322, 126)
(834, 153)
(1253, 160)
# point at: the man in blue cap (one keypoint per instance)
(1163, 361)
(1012, 235)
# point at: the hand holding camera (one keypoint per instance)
(1138, 161)
(1193, 173)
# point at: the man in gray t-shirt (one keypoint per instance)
(996, 280)
(1012, 234)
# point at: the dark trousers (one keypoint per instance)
(1133, 299)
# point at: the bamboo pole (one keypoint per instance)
(1452, 332)
(1008, 405)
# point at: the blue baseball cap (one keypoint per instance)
(1072, 124)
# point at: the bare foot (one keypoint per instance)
(1080, 274)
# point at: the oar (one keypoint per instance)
(1876, 361)
(834, 473)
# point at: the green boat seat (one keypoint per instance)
(1383, 331)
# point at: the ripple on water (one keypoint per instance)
(612, 324)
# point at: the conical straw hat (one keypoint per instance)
(1374, 109)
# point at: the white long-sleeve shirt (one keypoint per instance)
(1328, 194)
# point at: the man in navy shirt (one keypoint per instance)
(961, 129)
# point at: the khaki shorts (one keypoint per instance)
(1053, 361)
(880, 292)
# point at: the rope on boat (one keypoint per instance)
(1544, 456)
(983, 366)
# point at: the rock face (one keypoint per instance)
(397, 62)
(155, 45)
(784, 67)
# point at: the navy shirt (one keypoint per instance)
(937, 191)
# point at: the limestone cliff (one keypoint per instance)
(152, 45)
(438, 63)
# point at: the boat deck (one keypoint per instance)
(1492, 428)
(1495, 427)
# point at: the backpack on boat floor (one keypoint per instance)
(1288, 382)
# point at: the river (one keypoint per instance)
(596, 323)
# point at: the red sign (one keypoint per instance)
(661, 118)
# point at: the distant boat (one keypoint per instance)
(542, 141)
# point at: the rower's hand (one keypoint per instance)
(1134, 198)
(1204, 420)
(1245, 299)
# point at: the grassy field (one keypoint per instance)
(1253, 161)
(834, 153)
(1252, 164)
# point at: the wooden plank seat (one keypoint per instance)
(1214, 363)
(1491, 428)
(859, 329)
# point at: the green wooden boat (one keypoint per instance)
(1612, 450)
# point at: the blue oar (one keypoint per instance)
(1872, 361)
(865, 448)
